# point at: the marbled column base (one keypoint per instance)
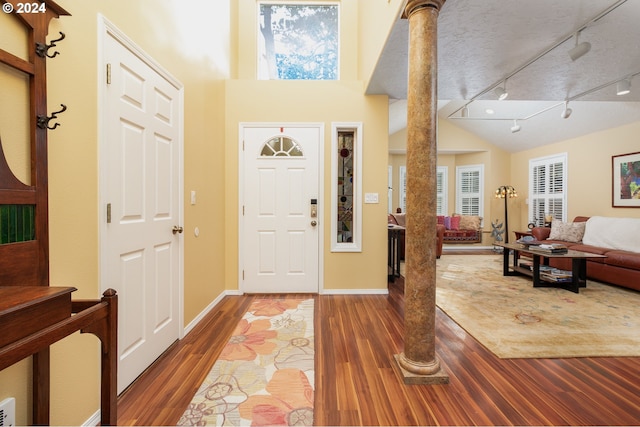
(409, 378)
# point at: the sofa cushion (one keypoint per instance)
(613, 233)
(567, 231)
(624, 259)
(470, 222)
(455, 223)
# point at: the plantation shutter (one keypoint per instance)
(547, 188)
(469, 189)
(441, 190)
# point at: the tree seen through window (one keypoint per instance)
(298, 42)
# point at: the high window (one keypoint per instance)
(298, 41)
(548, 188)
(470, 190)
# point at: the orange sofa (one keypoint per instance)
(620, 267)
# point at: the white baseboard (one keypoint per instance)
(94, 420)
(355, 292)
(207, 309)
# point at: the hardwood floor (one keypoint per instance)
(356, 382)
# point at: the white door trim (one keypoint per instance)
(107, 29)
(321, 196)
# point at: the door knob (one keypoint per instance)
(177, 229)
(314, 223)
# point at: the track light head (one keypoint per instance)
(567, 111)
(579, 49)
(501, 92)
(465, 112)
(623, 87)
(516, 127)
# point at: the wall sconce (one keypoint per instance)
(506, 192)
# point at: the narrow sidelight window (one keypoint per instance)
(346, 204)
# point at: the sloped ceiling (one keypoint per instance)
(483, 42)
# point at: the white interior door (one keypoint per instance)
(141, 191)
(281, 191)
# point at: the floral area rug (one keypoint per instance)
(515, 320)
(265, 373)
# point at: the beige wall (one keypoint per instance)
(277, 101)
(194, 48)
(589, 186)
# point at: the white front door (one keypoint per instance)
(281, 193)
(141, 256)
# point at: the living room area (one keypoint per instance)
(554, 167)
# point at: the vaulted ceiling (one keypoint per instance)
(483, 42)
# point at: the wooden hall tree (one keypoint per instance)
(33, 314)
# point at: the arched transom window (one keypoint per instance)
(281, 146)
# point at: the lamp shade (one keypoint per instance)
(501, 93)
(623, 87)
(578, 50)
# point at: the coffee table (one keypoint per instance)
(541, 258)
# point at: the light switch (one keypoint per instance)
(371, 197)
(193, 197)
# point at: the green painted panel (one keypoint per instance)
(17, 223)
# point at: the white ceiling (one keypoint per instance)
(482, 42)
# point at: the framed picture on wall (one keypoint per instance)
(626, 180)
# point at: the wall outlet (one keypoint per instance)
(8, 412)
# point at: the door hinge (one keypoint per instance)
(108, 74)
(108, 213)
(243, 145)
(242, 210)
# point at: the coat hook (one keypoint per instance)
(43, 121)
(42, 50)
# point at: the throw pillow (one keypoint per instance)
(567, 231)
(470, 222)
(447, 222)
(455, 223)
(440, 219)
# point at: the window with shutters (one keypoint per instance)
(442, 188)
(548, 188)
(470, 190)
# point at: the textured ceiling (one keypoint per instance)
(482, 42)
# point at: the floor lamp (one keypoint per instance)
(506, 192)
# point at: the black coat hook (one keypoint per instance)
(43, 121)
(42, 50)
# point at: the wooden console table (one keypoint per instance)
(34, 317)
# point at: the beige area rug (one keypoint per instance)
(515, 320)
(265, 374)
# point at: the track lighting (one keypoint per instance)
(579, 49)
(501, 92)
(465, 111)
(623, 87)
(516, 127)
(567, 111)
